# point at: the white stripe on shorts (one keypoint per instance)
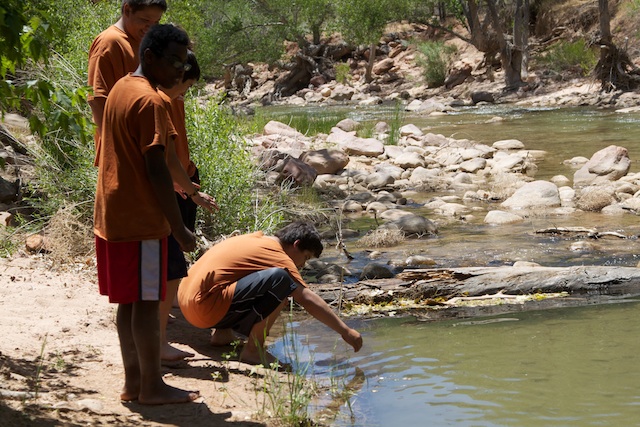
(150, 270)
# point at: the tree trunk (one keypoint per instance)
(521, 34)
(368, 75)
(510, 55)
(615, 70)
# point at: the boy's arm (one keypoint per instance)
(180, 177)
(97, 110)
(162, 186)
(319, 309)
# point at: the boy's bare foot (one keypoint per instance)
(222, 337)
(169, 353)
(168, 394)
(130, 390)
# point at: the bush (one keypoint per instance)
(571, 56)
(227, 172)
(435, 60)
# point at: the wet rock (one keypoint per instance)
(497, 217)
(608, 164)
(413, 224)
(536, 194)
(376, 271)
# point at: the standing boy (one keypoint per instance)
(177, 264)
(136, 209)
(114, 52)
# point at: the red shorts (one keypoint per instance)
(129, 272)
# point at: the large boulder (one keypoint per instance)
(606, 165)
(326, 161)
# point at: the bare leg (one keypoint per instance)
(254, 351)
(131, 387)
(167, 351)
(145, 330)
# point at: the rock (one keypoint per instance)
(326, 161)
(508, 144)
(496, 217)
(348, 125)
(608, 164)
(417, 260)
(536, 194)
(363, 147)
(409, 160)
(37, 243)
(594, 199)
(298, 171)
(8, 191)
(459, 73)
(376, 271)
(413, 224)
(410, 129)
(383, 66)
(274, 127)
(482, 96)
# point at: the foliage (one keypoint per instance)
(225, 167)
(435, 59)
(342, 72)
(570, 56)
(237, 31)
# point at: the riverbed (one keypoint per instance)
(557, 367)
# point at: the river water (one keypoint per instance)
(557, 367)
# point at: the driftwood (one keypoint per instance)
(504, 288)
(589, 232)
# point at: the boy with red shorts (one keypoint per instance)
(136, 209)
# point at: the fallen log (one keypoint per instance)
(419, 290)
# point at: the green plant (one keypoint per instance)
(395, 124)
(40, 368)
(435, 59)
(287, 395)
(342, 72)
(566, 56)
(224, 163)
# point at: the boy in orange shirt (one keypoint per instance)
(243, 283)
(114, 53)
(177, 264)
(135, 210)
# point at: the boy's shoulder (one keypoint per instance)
(110, 37)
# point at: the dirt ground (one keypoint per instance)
(60, 316)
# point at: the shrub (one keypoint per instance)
(227, 172)
(570, 56)
(342, 72)
(435, 59)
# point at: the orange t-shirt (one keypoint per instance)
(229, 261)
(176, 111)
(112, 55)
(135, 119)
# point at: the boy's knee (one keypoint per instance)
(277, 275)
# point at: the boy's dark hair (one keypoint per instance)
(160, 36)
(194, 71)
(136, 5)
(305, 232)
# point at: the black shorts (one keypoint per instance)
(176, 262)
(256, 297)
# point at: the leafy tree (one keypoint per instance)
(363, 22)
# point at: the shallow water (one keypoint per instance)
(560, 367)
(557, 367)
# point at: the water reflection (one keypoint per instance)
(561, 367)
